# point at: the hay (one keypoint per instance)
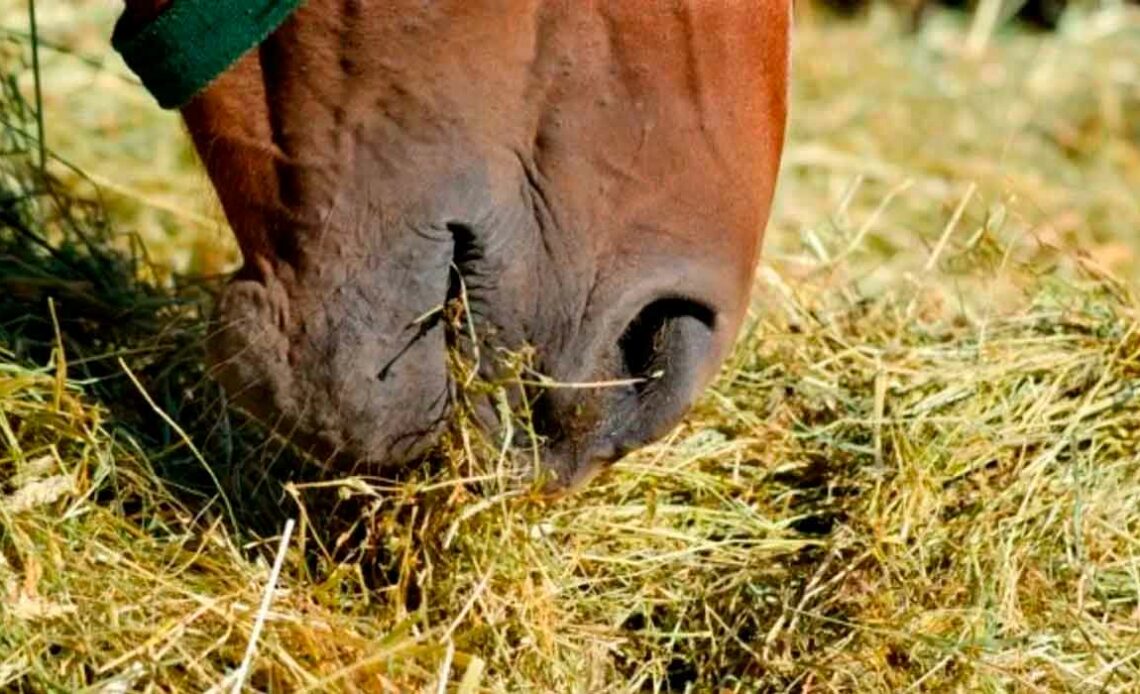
(920, 469)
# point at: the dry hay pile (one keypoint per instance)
(921, 468)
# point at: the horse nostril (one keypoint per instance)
(668, 351)
(656, 332)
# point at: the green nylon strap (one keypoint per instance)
(191, 42)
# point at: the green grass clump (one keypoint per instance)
(919, 470)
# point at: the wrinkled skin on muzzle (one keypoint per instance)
(595, 175)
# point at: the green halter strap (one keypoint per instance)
(185, 48)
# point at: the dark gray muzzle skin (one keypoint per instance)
(343, 347)
(592, 178)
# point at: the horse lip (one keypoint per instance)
(571, 471)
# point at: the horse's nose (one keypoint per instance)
(657, 365)
(337, 358)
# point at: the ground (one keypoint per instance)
(919, 471)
